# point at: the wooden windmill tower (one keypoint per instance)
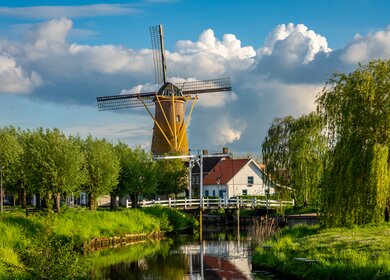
(170, 101)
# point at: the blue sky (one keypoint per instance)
(57, 56)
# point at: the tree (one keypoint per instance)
(356, 108)
(293, 152)
(10, 154)
(276, 150)
(173, 177)
(138, 174)
(308, 147)
(54, 164)
(102, 167)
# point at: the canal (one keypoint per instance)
(223, 253)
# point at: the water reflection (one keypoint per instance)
(220, 255)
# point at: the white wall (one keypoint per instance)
(240, 182)
(215, 189)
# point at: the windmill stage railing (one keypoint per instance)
(214, 203)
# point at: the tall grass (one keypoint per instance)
(340, 253)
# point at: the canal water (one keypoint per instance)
(223, 253)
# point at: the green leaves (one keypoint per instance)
(138, 175)
(102, 167)
(356, 109)
(293, 153)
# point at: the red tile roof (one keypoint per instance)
(225, 170)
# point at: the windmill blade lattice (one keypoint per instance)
(197, 87)
(157, 37)
(125, 101)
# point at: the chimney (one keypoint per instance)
(205, 152)
(225, 150)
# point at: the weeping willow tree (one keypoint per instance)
(356, 109)
(293, 152)
(308, 146)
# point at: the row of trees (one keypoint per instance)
(51, 165)
(339, 155)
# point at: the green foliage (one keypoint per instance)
(177, 220)
(138, 175)
(102, 167)
(52, 256)
(340, 253)
(10, 153)
(173, 177)
(294, 152)
(276, 150)
(356, 108)
(52, 164)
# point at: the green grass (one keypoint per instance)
(340, 253)
(78, 225)
(177, 220)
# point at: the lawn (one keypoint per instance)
(338, 253)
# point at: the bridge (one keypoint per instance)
(214, 203)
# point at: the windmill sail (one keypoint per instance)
(116, 102)
(197, 87)
(160, 69)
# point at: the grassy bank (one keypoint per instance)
(54, 241)
(340, 253)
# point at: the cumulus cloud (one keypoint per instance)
(294, 43)
(279, 78)
(47, 12)
(13, 79)
(364, 48)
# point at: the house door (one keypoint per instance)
(222, 193)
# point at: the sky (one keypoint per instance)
(56, 57)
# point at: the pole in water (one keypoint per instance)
(200, 223)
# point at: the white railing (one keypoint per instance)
(237, 202)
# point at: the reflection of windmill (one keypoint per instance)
(170, 125)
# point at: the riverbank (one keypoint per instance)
(312, 252)
(55, 241)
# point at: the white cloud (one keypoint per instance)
(363, 48)
(294, 43)
(47, 12)
(223, 131)
(13, 79)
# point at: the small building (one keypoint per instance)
(209, 163)
(236, 177)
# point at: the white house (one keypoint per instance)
(235, 177)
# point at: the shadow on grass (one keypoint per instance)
(29, 226)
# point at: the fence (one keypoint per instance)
(211, 203)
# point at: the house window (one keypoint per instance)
(213, 192)
(206, 193)
(250, 180)
(244, 192)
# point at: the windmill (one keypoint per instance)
(170, 101)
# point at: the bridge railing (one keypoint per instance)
(237, 202)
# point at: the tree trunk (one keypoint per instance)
(14, 199)
(49, 201)
(38, 203)
(24, 199)
(134, 200)
(113, 204)
(92, 201)
(58, 202)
